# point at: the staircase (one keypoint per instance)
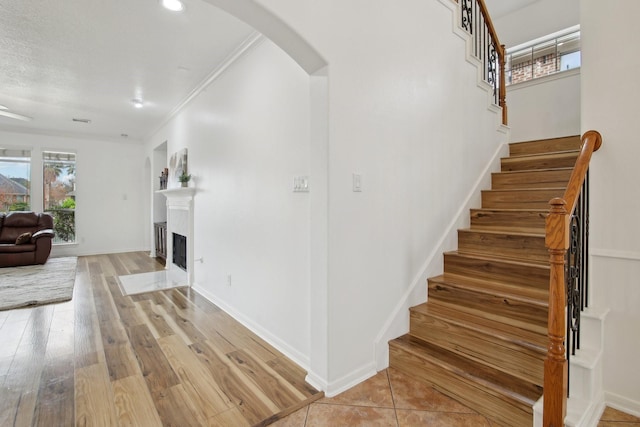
(481, 337)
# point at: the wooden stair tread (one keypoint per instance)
(534, 170)
(506, 331)
(498, 232)
(507, 244)
(509, 219)
(527, 273)
(548, 160)
(532, 296)
(488, 379)
(517, 306)
(490, 258)
(545, 145)
(520, 197)
(514, 210)
(525, 189)
(545, 154)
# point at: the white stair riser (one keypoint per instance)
(585, 382)
(591, 332)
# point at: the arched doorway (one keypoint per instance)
(316, 66)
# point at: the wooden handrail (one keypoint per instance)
(501, 51)
(500, 48)
(557, 231)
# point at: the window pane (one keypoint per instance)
(15, 180)
(59, 196)
(544, 58)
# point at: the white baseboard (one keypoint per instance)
(622, 403)
(353, 378)
(296, 356)
(75, 249)
(330, 388)
(610, 253)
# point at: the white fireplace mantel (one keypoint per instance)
(180, 221)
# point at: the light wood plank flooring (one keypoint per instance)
(163, 358)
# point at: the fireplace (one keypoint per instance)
(180, 251)
(180, 234)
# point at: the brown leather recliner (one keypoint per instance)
(25, 238)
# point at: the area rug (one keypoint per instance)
(37, 284)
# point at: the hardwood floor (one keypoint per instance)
(163, 358)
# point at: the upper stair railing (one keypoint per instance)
(566, 238)
(487, 49)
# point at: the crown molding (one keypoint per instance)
(255, 39)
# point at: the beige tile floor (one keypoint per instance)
(394, 399)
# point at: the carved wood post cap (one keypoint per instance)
(558, 206)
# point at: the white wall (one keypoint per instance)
(247, 136)
(539, 19)
(405, 112)
(610, 91)
(110, 191)
(159, 162)
(547, 107)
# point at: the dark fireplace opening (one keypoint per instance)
(180, 251)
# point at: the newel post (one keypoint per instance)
(555, 365)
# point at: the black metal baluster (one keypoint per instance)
(467, 16)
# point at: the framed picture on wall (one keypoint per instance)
(177, 166)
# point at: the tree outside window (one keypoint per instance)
(59, 196)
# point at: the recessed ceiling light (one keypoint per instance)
(173, 5)
(137, 103)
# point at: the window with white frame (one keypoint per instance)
(59, 193)
(543, 57)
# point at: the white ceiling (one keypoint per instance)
(500, 8)
(88, 59)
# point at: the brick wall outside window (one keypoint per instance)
(542, 66)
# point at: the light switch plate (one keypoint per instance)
(357, 182)
(301, 184)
